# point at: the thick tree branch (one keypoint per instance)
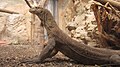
(8, 11)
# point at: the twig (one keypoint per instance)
(97, 16)
(114, 10)
(8, 11)
(99, 4)
(28, 3)
(112, 2)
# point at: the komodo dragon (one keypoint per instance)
(78, 51)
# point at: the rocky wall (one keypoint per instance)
(78, 21)
(15, 28)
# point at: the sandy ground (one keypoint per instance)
(12, 55)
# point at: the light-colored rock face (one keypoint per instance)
(82, 25)
(15, 29)
(19, 28)
(3, 5)
(2, 23)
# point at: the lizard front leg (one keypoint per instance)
(47, 52)
(53, 53)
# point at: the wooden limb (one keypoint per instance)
(97, 16)
(114, 11)
(99, 4)
(112, 39)
(100, 23)
(8, 11)
(112, 2)
(28, 3)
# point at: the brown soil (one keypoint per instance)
(12, 55)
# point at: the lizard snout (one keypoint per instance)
(32, 10)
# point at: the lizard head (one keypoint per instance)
(36, 10)
(44, 15)
(40, 12)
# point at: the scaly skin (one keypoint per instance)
(78, 51)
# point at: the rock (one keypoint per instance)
(79, 20)
(2, 23)
(92, 44)
(3, 5)
(16, 30)
(86, 24)
(71, 26)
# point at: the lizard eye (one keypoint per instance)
(41, 12)
(37, 7)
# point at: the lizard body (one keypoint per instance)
(78, 51)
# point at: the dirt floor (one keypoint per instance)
(12, 55)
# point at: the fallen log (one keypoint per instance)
(113, 3)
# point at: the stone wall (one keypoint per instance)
(15, 28)
(78, 21)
